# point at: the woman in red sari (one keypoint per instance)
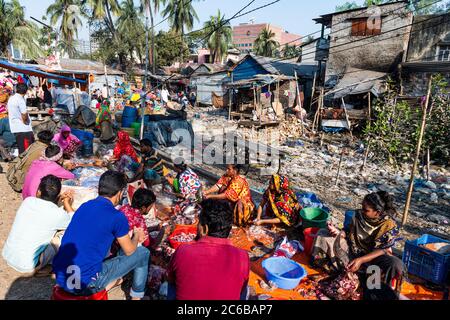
(235, 189)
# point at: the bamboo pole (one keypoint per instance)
(339, 167)
(366, 155)
(313, 91)
(299, 103)
(416, 158)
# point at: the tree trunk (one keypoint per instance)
(152, 22)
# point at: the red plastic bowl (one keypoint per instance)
(179, 230)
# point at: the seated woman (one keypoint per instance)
(103, 122)
(235, 189)
(373, 233)
(187, 183)
(67, 142)
(123, 148)
(280, 202)
(49, 164)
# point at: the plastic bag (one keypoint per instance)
(288, 248)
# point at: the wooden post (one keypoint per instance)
(230, 93)
(313, 91)
(369, 104)
(299, 103)
(416, 158)
(339, 167)
(366, 155)
(349, 124)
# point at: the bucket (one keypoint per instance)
(314, 218)
(348, 219)
(285, 273)
(310, 235)
(129, 116)
(179, 230)
(137, 128)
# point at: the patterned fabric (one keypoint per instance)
(282, 199)
(123, 147)
(189, 183)
(238, 190)
(136, 220)
(367, 235)
(68, 145)
(104, 114)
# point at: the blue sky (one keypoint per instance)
(294, 16)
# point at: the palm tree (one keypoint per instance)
(14, 29)
(105, 9)
(219, 31)
(156, 6)
(69, 14)
(181, 15)
(130, 27)
(265, 44)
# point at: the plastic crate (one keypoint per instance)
(424, 263)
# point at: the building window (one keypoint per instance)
(444, 53)
(366, 27)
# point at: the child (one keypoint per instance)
(143, 202)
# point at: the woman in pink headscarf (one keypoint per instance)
(68, 143)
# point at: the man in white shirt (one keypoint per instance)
(165, 96)
(19, 121)
(34, 238)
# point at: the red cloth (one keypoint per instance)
(210, 269)
(136, 220)
(123, 147)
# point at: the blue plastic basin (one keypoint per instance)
(285, 273)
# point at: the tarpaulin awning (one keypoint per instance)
(32, 71)
(357, 81)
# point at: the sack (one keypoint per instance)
(287, 248)
(13, 175)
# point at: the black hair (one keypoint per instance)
(143, 198)
(146, 143)
(381, 201)
(180, 165)
(111, 183)
(52, 150)
(237, 167)
(44, 87)
(21, 88)
(45, 136)
(50, 188)
(218, 216)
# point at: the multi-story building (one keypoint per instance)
(245, 34)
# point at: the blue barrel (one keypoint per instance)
(348, 219)
(87, 138)
(129, 116)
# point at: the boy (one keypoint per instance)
(151, 166)
(81, 266)
(33, 240)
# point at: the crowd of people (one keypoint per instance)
(91, 249)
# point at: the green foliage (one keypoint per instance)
(16, 30)
(196, 40)
(394, 133)
(181, 15)
(219, 34)
(265, 44)
(170, 47)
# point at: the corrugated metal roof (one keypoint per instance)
(358, 81)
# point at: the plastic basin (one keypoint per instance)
(285, 273)
(179, 230)
(314, 218)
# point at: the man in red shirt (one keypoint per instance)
(212, 268)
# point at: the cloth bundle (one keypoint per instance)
(343, 287)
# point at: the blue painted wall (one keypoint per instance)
(247, 70)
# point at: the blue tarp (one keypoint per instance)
(34, 71)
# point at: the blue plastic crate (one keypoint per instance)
(424, 263)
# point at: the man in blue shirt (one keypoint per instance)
(81, 265)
